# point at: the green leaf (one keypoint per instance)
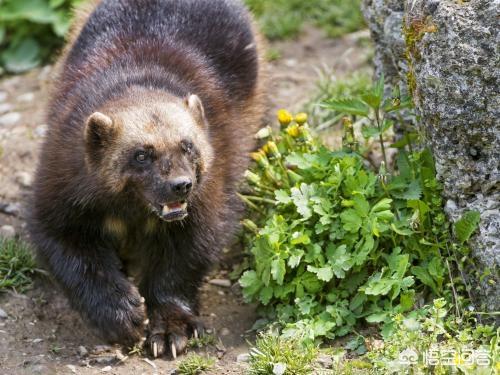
(278, 270)
(250, 283)
(37, 11)
(467, 225)
(382, 205)
(22, 57)
(351, 220)
(347, 105)
(300, 198)
(423, 275)
(323, 273)
(282, 196)
(376, 317)
(265, 295)
(357, 301)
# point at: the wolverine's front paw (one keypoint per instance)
(170, 330)
(122, 320)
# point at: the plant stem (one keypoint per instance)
(380, 135)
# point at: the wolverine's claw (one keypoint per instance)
(146, 322)
(195, 333)
(142, 300)
(174, 350)
(155, 350)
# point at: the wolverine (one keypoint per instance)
(151, 116)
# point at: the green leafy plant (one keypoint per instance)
(281, 19)
(336, 243)
(30, 30)
(17, 265)
(194, 364)
(439, 342)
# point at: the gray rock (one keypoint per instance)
(326, 361)
(10, 119)
(7, 231)
(10, 208)
(3, 314)
(82, 351)
(449, 60)
(243, 358)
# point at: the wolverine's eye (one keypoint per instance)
(141, 156)
(187, 146)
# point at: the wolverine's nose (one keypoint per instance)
(181, 186)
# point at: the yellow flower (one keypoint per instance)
(293, 131)
(301, 118)
(284, 117)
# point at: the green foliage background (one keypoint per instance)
(31, 31)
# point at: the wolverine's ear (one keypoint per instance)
(195, 106)
(99, 130)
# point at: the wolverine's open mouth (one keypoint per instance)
(172, 211)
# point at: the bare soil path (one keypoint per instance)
(41, 334)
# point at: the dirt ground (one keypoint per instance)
(41, 334)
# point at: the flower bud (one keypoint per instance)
(271, 149)
(284, 117)
(250, 225)
(252, 177)
(301, 118)
(260, 158)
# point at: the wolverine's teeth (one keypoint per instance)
(173, 207)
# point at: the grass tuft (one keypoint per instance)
(273, 353)
(17, 265)
(194, 364)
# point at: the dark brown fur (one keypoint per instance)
(91, 222)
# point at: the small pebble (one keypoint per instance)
(82, 351)
(72, 368)
(11, 208)
(221, 293)
(224, 331)
(225, 283)
(243, 357)
(28, 97)
(3, 96)
(107, 369)
(41, 130)
(325, 361)
(279, 368)
(5, 107)
(7, 231)
(101, 349)
(3, 314)
(24, 179)
(36, 341)
(10, 119)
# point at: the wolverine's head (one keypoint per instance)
(155, 146)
